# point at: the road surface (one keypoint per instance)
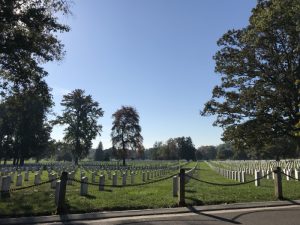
(283, 215)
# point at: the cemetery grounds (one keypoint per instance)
(207, 184)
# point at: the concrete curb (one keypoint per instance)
(131, 213)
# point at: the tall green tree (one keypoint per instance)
(207, 152)
(80, 115)
(27, 39)
(99, 154)
(186, 148)
(126, 131)
(23, 124)
(224, 151)
(257, 101)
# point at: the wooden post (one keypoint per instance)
(175, 186)
(278, 183)
(62, 192)
(181, 196)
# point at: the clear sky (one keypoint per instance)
(154, 55)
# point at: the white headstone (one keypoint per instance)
(132, 177)
(84, 186)
(124, 179)
(26, 176)
(19, 180)
(37, 178)
(101, 182)
(115, 179)
(5, 186)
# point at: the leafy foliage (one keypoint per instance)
(27, 39)
(173, 149)
(99, 154)
(80, 115)
(126, 131)
(257, 102)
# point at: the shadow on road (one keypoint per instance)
(192, 209)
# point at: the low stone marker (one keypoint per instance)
(132, 178)
(101, 182)
(53, 183)
(297, 174)
(19, 180)
(124, 179)
(37, 179)
(243, 177)
(5, 186)
(26, 178)
(84, 186)
(115, 180)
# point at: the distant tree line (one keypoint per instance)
(173, 149)
(287, 148)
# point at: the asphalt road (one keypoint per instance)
(285, 215)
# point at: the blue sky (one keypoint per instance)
(154, 55)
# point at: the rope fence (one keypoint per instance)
(27, 187)
(294, 178)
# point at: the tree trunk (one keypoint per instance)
(124, 162)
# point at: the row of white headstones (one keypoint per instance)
(236, 170)
(9, 177)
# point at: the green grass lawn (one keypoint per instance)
(40, 200)
(204, 194)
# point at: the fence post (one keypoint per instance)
(278, 183)
(62, 192)
(181, 196)
(175, 186)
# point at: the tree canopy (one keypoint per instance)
(99, 154)
(27, 39)
(173, 149)
(257, 102)
(80, 115)
(126, 131)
